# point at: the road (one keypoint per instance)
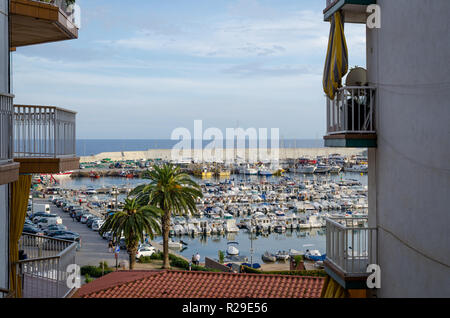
(94, 248)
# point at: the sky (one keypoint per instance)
(142, 68)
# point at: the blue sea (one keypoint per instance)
(88, 147)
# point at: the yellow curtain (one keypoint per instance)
(336, 64)
(331, 289)
(18, 208)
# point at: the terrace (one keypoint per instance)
(44, 273)
(44, 139)
(351, 247)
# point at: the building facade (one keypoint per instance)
(409, 178)
(33, 139)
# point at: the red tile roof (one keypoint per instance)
(186, 284)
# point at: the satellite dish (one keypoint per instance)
(356, 77)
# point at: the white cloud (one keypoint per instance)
(299, 34)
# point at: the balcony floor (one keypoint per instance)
(9, 172)
(346, 280)
(351, 140)
(35, 22)
(48, 165)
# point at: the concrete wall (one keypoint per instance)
(409, 61)
(4, 193)
(4, 47)
(166, 154)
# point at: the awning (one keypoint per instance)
(336, 64)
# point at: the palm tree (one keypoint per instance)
(132, 222)
(171, 190)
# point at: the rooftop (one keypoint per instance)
(188, 284)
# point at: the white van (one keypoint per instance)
(41, 208)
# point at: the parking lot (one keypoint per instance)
(94, 248)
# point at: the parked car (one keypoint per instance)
(92, 220)
(96, 225)
(107, 235)
(86, 217)
(45, 222)
(60, 232)
(79, 214)
(55, 227)
(37, 218)
(145, 251)
(30, 229)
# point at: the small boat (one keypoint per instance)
(314, 255)
(232, 250)
(282, 255)
(293, 252)
(254, 265)
(269, 257)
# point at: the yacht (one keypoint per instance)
(358, 168)
(307, 169)
(323, 168)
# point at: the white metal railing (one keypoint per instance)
(44, 273)
(352, 110)
(44, 132)
(63, 5)
(351, 245)
(6, 127)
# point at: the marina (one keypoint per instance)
(264, 214)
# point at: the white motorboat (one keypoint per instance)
(358, 168)
(232, 250)
(323, 169)
(282, 255)
(269, 257)
(308, 169)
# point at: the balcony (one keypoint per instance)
(44, 139)
(44, 273)
(351, 118)
(9, 170)
(351, 247)
(354, 10)
(35, 22)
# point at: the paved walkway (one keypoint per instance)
(94, 249)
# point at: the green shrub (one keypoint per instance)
(93, 271)
(221, 257)
(313, 273)
(88, 279)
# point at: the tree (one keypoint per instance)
(171, 190)
(132, 222)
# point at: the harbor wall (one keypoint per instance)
(166, 154)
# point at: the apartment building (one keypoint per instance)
(402, 116)
(33, 139)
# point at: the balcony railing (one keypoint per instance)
(62, 4)
(44, 132)
(44, 273)
(351, 245)
(6, 127)
(352, 111)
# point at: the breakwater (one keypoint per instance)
(166, 154)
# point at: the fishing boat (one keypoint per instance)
(232, 249)
(269, 257)
(94, 175)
